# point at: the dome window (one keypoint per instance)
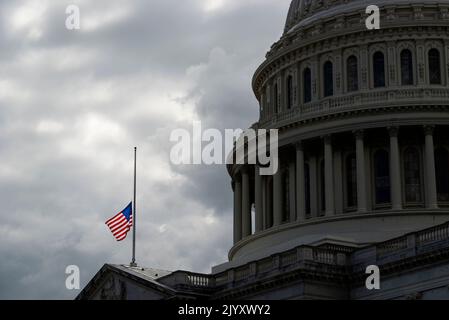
(434, 67)
(406, 67)
(352, 74)
(412, 175)
(307, 85)
(379, 69)
(382, 177)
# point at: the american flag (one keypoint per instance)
(121, 223)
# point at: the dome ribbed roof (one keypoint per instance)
(293, 14)
(302, 10)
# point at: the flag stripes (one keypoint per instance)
(121, 223)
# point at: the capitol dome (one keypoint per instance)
(363, 129)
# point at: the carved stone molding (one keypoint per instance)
(428, 130)
(393, 131)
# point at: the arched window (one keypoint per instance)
(352, 74)
(289, 92)
(412, 175)
(328, 76)
(276, 98)
(351, 180)
(434, 66)
(382, 177)
(307, 85)
(442, 173)
(406, 67)
(379, 69)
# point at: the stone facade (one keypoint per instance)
(414, 266)
(363, 126)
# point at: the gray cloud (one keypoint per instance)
(72, 106)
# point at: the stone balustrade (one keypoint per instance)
(358, 101)
(335, 258)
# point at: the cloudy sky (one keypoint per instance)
(73, 104)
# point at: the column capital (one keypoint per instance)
(327, 138)
(359, 134)
(393, 131)
(428, 130)
(299, 145)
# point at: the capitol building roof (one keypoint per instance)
(303, 12)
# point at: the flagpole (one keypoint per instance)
(133, 262)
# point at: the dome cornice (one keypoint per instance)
(432, 110)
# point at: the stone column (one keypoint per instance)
(364, 67)
(281, 93)
(361, 181)
(368, 177)
(431, 185)
(300, 184)
(295, 86)
(391, 70)
(292, 193)
(269, 105)
(329, 176)
(421, 62)
(445, 66)
(246, 205)
(258, 199)
(237, 210)
(338, 72)
(277, 197)
(314, 70)
(395, 172)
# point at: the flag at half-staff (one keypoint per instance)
(121, 223)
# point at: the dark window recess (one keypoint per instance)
(406, 67)
(434, 67)
(307, 83)
(351, 180)
(322, 187)
(328, 77)
(382, 177)
(412, 175)
(307, 191)
(379, 69)
(442, 173)
(352, 74)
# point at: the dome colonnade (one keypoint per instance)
(363, 126)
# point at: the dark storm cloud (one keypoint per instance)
(73, 103)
